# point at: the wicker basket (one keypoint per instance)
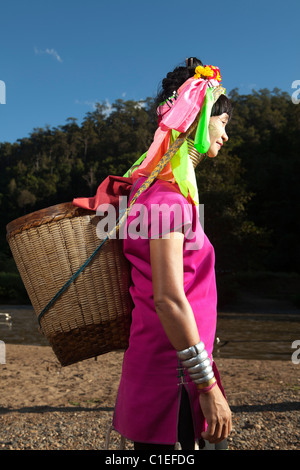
(92, 316)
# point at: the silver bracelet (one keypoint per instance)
(204, 379)
(200, 374)
(200, 369)
(195, 359)
(190, 352)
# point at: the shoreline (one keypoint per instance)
(49, 407)
(248, 303)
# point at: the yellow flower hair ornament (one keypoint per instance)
(208, 72)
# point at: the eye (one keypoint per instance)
(223, 121)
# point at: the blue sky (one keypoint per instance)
(58, 58)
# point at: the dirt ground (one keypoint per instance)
(46, 406)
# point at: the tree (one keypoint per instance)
(26, 198)
(250, 192)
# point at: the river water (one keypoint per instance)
(244, 335)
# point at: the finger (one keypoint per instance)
(218, 440)
(214, 435)
(210, 431)
(230, 426)
(223, 436)
(220, 433)
(226, 430)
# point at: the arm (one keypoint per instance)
(178, 321)
(171, 304)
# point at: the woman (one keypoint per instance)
(170, 392)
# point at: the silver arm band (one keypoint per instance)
(197, 363)
(195, 360)
(201, 373)
(193, 351)
(204, 379)
(199, 367)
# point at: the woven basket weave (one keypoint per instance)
(93, 315)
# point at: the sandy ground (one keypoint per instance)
(46, 406)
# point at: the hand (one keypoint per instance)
(217, 414)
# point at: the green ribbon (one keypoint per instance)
(202, 141)
(183, 170)
(136, 164)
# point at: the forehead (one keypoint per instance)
(223, 116)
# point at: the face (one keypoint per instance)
(217, 133)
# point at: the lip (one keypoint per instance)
(221, 145)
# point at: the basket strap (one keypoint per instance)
(162, 163)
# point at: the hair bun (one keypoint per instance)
(192, 62)
(176, 78)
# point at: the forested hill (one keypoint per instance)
(250, 191)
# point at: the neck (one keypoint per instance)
(194, 155)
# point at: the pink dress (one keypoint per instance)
(148, 400)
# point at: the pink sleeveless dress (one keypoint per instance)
(148, 399)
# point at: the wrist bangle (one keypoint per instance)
(197, 363)
(196, 360)
(193, 351)
(200, 371)
(205, 378)
(206, 386)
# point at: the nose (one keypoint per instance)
(225, 136)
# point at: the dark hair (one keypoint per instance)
(222, 105)
(175, 79)
(180, 74)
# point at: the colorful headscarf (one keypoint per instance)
(176, 114)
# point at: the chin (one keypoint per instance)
(211, 154)
(213, 150)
